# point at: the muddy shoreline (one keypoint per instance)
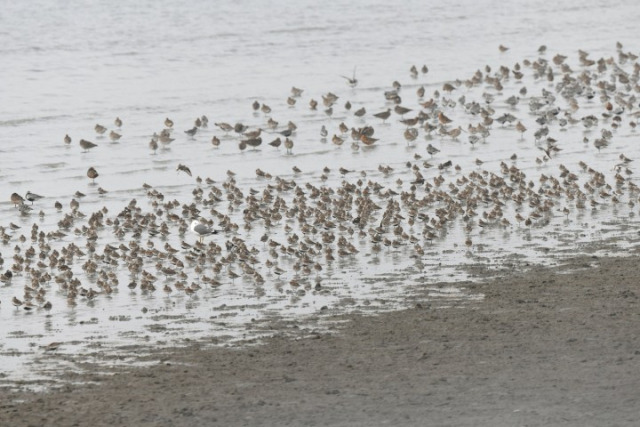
(552, 346)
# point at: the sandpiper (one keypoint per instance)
(351, 81)
(16, 199)
(153, 144)
(184, 169)
(92, 173)
(87, 145)
(360, 112)
(114, 136)
(32, 197)
(225, 127)
(384, 115)
(288, 144)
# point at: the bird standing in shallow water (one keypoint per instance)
(16, 199)
(384, 115)
(32, 197)
(92, 173)
(87, 145)
(202, 230)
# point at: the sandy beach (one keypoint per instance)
(550, 346)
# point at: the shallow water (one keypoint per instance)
(68, 66)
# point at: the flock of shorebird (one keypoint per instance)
(302, 229)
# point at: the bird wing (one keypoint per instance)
(203, 230)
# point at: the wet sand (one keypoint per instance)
(551, 346)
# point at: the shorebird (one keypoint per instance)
(202, 230)
(16, 302)
(410, 134)
(92, 173)
(401, 110)
(225, 127)
(118, 122)
(384, 115)
(87, 145)
(184, 169)
(153, 144)
(432, 150)
(67, 139)
(360, 112)
(192, 132)
(168, 123)
(352, 82)
(16, 199)
(100, 129)
(288, 144)
(276, 143)
(366, 140)
(253, 142)
(164, 138)
(443, 119)
(114, 136)
(32, 197)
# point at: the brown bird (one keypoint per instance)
(253, 142)
(443, 119)
(184, 169)
(153, 144)
(401, 110)
(276, 143)
(288, 144)
(384, 115)
(114, 136)
(87, 145)
(92, 173)
(448, 87)
(16, 199)
(367, 140)
(360, 112)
